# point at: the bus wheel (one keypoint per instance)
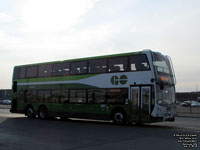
(42, 112)
(119, 117)
(30, 113)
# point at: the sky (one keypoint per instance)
(33, 31)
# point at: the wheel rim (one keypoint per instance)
(119, 117)
(30, 112)
(43, 114)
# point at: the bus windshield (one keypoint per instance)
(166, 97)
(163, 68)
(160, 64)
(165, 80)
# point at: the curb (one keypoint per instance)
(5, 106)
(185, 116)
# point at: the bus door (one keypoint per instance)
(141, 102)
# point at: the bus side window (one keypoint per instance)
(55, 96)
(64, 96)
(45, 70)
(22, 73)
(60, 69)
(16, 73)
(140, 66)
(77, 96)
(31, 71)
(30, 95)
(79, 67)
(117, 96)
(97, 66)
(118, 64)
(19, 73)
(44, 96)
(139, 63)
(21, 94)
(96, 96)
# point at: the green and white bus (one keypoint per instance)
(129, 87)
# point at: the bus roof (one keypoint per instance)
(82, 59)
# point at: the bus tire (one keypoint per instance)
(42, 113)
(119, 117)
(30, 112)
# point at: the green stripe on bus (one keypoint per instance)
(59, 78)
(62, 86)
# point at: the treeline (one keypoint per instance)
(183, 96)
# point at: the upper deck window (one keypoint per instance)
(16, 73)
(45, 70)
(118, 64)
(79, 67)
(19, 73)
(97, 66)
(139, 63)
(61, 69)
(31, 72)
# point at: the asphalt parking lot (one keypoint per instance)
(21, 133)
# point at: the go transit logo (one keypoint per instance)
(115, 80)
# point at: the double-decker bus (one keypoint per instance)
(129, 87)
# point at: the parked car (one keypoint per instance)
(191, 103)
(186, 104)
(195, 104)
(6, 102)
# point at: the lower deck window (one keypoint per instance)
(44, 96)
(21, 95)
(78, 96)
(117, 96)
(64, 96)
(55, 94)
(31, 95)
(97, 96)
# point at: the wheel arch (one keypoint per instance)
(42, 106)
(116, 109)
